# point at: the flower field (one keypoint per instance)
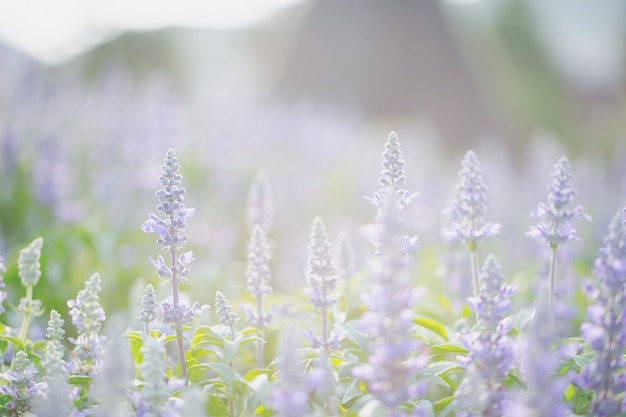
(363, 330)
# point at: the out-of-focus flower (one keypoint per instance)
(260, 208)
(149, 307)
(225, 312)
(23, 389)
(289, 397)
(469, 209)
(28, 265)
(345, 256)
(181, 314)
(556, 214)
(258, 274)
(323, 280)
(491, 351)
(605, 328)
(87, 317)
(154, 396)
(3, 293)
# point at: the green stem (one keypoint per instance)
(551, 276)
(179, 327)
(25, 322)
(475, 283)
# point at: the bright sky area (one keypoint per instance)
(53, 31)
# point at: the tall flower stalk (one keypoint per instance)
(323, 280)
(259, 216)
(394, 354)
(469, 210)
(170, 229)
(29, 271)
(605, 328)
(491, 352)
(556, 216)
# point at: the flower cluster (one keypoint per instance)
(87, 317)
(469, 209)
(556, 214)
(28, 265)
(3, 293)
(260, 207)
(605, 328)
(491, 351)
(23, 389)
(149, 307)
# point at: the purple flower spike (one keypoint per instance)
(323, 280)
(605, 329)
(491, 351)
(556, 214)
(469, 209)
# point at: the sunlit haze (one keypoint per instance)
(54, 31)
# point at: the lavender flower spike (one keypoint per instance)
(395, 355)
(149, 307)
(469, 210)
(491, 351)
(605, 328)
(258, 274)
(225, 312)
(28, 265)
(154, 399)
(322, 279)
(170, 230)
(289, 397)
(470, 206)
(87, 317)
(260, 208)
(557, 214)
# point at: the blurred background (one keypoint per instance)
(92, 95)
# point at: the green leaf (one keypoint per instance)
(17, 343)
(348, 390)
(253, 373)
(448, 348)
(230, 350)
(355, 336)
(432, 325)
(225, 372)
(80, 380)
(216, 406)
(442, 404)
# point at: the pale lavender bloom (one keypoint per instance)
(58, 401)
(605, 328)
(87, 317)
(491, 352)
(556, 214)
(260, 209)
(323, 280)
(170, 229)
(149, 307)
(258, 275)
(28, 265)
(395, 356)
(177, 315)
(225, 312)
(469, 209)
(23, 389)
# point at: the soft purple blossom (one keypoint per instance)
(605, 328)
(491, 352)
(557, 213)
(469, 209)
(87, 316)
(22, 386)
(178, 315)
(258, 275)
